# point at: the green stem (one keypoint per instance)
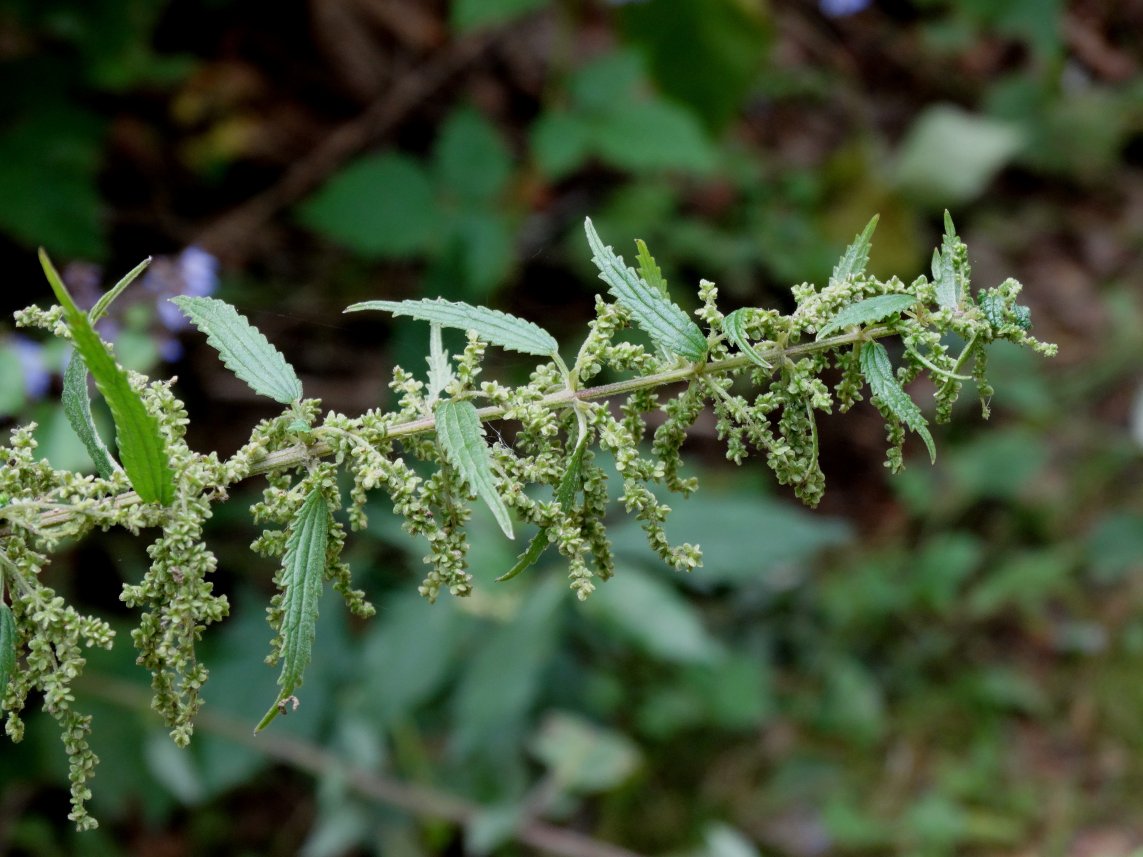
(299, 453)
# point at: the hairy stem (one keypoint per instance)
(300, 453)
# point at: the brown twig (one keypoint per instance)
(307, 757)
(226, 236)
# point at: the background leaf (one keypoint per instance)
(381, 206)
(582, 756)
(243, 348)
(950, 155)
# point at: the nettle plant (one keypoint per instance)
(760, 371)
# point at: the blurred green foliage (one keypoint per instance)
(942, 664)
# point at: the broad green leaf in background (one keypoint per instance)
(381, 206)
(747, 539)
(243, 348)
(612, 116)
(7, 646)
(141, 445)
(725, 43)
(653, 135)
(662, 320)
(565, 495)
(12, 395)
(655, 617)
(584, 757)
(878, 371)
(950, 155)
(471, 161)
(868, 311)
(502, 677)
(473, 14)
(493, 326)
(50, 160)
(852, 263)
(462, 439)
(406, 657)
(304, 570)
(734, 326)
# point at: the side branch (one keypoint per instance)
(299, 453)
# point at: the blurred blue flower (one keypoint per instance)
(193, 272)
(37, 376)
(199, 271)
(841, 8)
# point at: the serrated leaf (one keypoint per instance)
(661, 319)
(304, 570)
(856, 257)
(243, 348)
(950, 268)
(734, 326)
(565, 496)
(462, 439)
(648, 270)
(878, 371)
(7, 647)
(498, 328)
(141, 445)
(440, 372)
(868, 311)
(77, 409)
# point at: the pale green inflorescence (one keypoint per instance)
(763, 380)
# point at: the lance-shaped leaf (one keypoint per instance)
(565, 495)
(141, 445)
(304, 570)
(7, 647)
(878, 371)
(734, 326)
(648, 270)
(867, 311)
(498, 328)
(856, 257)
(662, 320)
(462, 439)
(76, 402)
(950, 268)
(243, 348)
(77, 409)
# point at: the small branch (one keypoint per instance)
(298, 454)
(304, 756)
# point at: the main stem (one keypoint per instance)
(299, 453)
